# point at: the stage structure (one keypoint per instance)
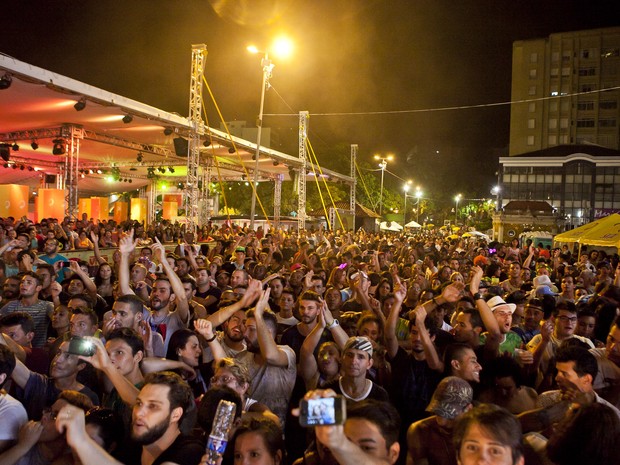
(66, 134)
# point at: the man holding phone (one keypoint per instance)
(368, 435)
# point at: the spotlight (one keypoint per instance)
(79, 106)
(30, 168)
(99, 172)
(127, 119)
(5, 81)
(34, 145)
(59, 147)
(171, 169)
(140, 157)
(162, 169)
(14, 166)
(133, 168)
(91, 171)
(276, 163)
(22, 167)
(206, 143)
(5, 152)
(6, 165)
(15, 147)
(168, 131)
(231, 150)
(130, 181)
(82, 175)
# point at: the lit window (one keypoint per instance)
(532, 73)
(553, 123)
(566, 71)
(564, 123)
(531, 123)
(532, 107)
(553, 140)
(534, 58)
(530, 140)
(532, 90)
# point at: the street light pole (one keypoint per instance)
(383, 166)
(406, 188)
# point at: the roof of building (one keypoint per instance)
(566, 150)
(528, 205)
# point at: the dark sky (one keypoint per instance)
(351, 56)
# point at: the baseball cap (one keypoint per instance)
(358, 343)
(240, 249)
(451, 397)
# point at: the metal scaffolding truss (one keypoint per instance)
(277, 200)
(199, 56)
(301, 179)
(70, 174)
(352, 200)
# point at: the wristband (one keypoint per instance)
(477, 296)
(212, 339)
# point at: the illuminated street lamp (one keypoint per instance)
(383, 166)
(418, 194)
(456, 210)
(281, 47)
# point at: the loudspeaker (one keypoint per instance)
(50, 179)
(181, 146)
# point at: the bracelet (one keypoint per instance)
(212, 339)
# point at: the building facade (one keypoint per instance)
(565, 90)
(582, 183)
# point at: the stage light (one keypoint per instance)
(99, 172)
(30, 168)
(14, 166)
(127, 119)
(168, 131)
(15, 147)
(34, 145)
(22, 167)
(140, 157)
(59, 147)
(276, 163)
(231, 150)
(171, 169)
(130, 181)
(5, 81)
(162, 169)
(206, 143)
(133, 168)
(5, 152)
(79, 106)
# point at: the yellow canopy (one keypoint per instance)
(604, 232)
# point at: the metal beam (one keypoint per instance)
(301, 180)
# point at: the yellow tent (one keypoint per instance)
(604, 232)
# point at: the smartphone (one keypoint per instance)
(65, 264)
(81, 346)
(324, 411)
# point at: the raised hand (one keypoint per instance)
(127, 244)
(263, 303)
(204, 328)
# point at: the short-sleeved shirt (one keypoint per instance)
(40, 392)
(40, 313)
(185, 450)
(374, 391)
(272, 385)
(166, 325)
(13, 416)
(60, 274)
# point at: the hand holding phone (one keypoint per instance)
(322, 411)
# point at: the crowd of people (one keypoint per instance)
(444, 350)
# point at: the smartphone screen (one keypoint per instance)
(81, 346)
(323, 411)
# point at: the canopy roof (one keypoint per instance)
(604, 232)
(38, 106)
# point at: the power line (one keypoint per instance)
(452, 108)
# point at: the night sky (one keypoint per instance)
(359, 60)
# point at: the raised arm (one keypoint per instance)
(89, 285)
(205, 329)
(490, 322)
(252, 293)
(391, 341)
(182, 305)
(126, 247)
(268, 347)
(101, 361)
(432, 358)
